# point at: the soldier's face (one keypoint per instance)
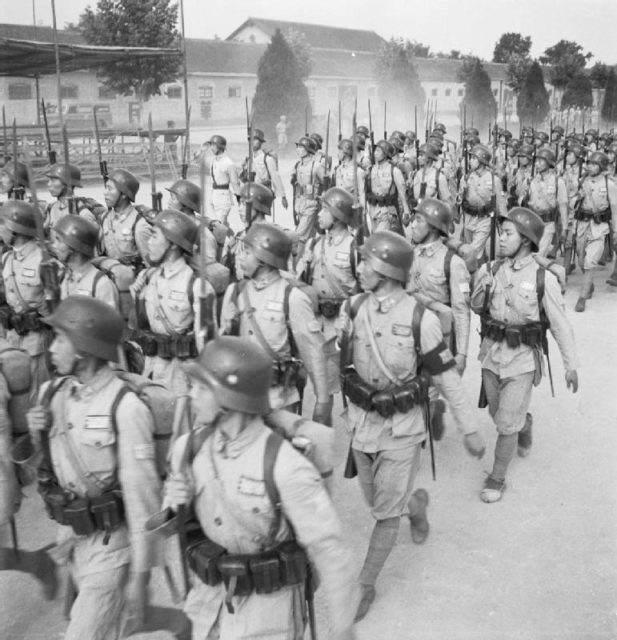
(63, 353)
(302, 152)
(55, 186)
(369, 278)
(256, 144)
(157, 246)
(204, 403)
(570, 158)
(523, 161)
(593, 169)
(325, 219)
(112, 194)
(420, 228)
(59, 249)
(509, 239)
(474, 163)
(250, 262)
(173, 202)
(6, 184)
(379, 154)
(541, 165)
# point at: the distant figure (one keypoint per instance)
(281, 134)
(170, 140)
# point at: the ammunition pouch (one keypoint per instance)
(309, 191)
(287, 373)
(164, 346)
(598, 217)
(386, 402)
(389, 200)
(550, 215)
(330, 308)
(476, 211)
(22, 323)
(222, 187)
(532, 334)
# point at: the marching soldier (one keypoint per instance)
(363, 150)
(540, 140)
(518, 185)
(224, 179)
(429, 181)
(591, 140)
(557, 134)
(611, 152)
(61, 182)
(476, 191)
(167, 301)
(595, 214)
(74, 244)
(385, 192)
(385, 334)
(239, 466)
(517, 302)
(572, 177)
(409, 152)
(14, 180)
(343, 174)
(98, 479)
(279, 317)
(307, 179)
(547, 196)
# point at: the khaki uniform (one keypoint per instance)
(508, 372)
(234, 510)
(266, 302)
(59, 209)
(307, 176)
(89, 456)
(224, 184)
(124, 235)
(548, 198)
(436, 184)
(477, 188)
(91, 282)
(24, 292)
(385, 194)
(571, 178)
(266, 172)
(9, 488)
(344, 178)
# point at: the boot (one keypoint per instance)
(492, 490)
(586, 290)
(580, 305)
(613, 277)
(417, 520)
(525, 438)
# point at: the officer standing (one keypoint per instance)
(281, 134)
(98, 478)
(224, 179)
(384, 335)
(517, 302)
(596, 213)
(256, 499)
(279, 317)
(343, 174)
(167, 301)
(61, 182)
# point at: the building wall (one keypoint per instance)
(252, 34)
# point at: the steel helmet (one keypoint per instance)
(258, 134)
(440, 126)
(78, 233)
(437, 133)
(612, 148)
(219, 142)
(576, 148)
(346, 146)
(592, 133)
(68, 174)
(388, 254)
(397, 143)
(93, 326)
(238, 371)
(548, 155)
(506, 134)
(430, 151)
(437, 213)
(270, 244)
(526, 151)
(187, 193)
(362, 130)
(20, 217)
(599, 158)
(528, 224)
(514, 144)
(558, 129)
(308, 143)
(472, 131)
(541, 135)
(17, 172)
(318, 140)
(178, 227)
(386, 147)
(126, 183)
(340, 204)
(482, 153)
(259, 196)
(410, 136)
(436, 142)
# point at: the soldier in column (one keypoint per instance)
(343, 174)
(61, 182)
(429, 181)
(224, 179)
(518, 185)
(14, 180)
(572, 175)
(363, 142)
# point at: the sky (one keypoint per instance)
(470, 26)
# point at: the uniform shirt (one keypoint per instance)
(266, 298)
(598, 194)
(89, 281)
(382, 175)
(223, 172)
(124, 234)
(436, 184)
(309, 174)
(546, 191)
(428, 276)
(571, 177)
(514, 300)
(266, 172)
(234, 510)
(520, 180)
(330, 258)
(479, 186)
(343, 178)
(83, 441)
(60, 208)
(389, 321)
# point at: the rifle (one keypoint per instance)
(327, 178)
(415, 129)
(157, 196)
(340, 134)
(306, 130)
(249, 167)
(371, 135)
(385, 113)
(206, 302)
(4, 139)
(69, 186)
(356, 188)
(186, 150)
(99, 152)
(493, 200)
(309, 595)
(51, 154)
(18, 191)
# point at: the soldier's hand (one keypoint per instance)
(178, 490)
(39, 419)
(461, 363)
(474, 444)
(137, 599)
(284, 202)
(323, 412)
(572, 380)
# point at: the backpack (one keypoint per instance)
(15, 367)
(121, 275)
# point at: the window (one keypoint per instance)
(106, 94)
(332, 92)
(174, 92)
(433, 92)
(448, 93)
(235, 92)
(20, 91)
(206, 109)
(372, 92)
(69, 92)
(461, 93)
(206, 93)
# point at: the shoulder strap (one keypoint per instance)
(273, 445)
(437, 174)
(353, 258)
(416, 325)
(540, 280)
(124, 389)
(354, 307)
(447, 270)
(189, 290)
(97, 276)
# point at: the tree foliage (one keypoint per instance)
(609, 104)
(302, 50)
(280, 89)
(479, 99)
(599, 75)
(134, 23)
(565, 58)
(578, 92)
(398, 79)
(518, 69)
(532, 105)
(511, 44)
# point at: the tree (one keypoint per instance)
(599, 75)
(399, 84)
(609, 104)
(134, 23)
(565, 58)
(532, 105)
(578, 92)
(518, 70)
(479, 99)
(453, 54)
(280, 89)
(302, 50)
(511, 44)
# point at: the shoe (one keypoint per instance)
(525, 438)
(571, 269)
(612, 281)
(438, 408)
(590, 294)
(580, 305)
(493, 490)
(418, 523)
(366, 600)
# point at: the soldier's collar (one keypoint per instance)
(77, 273)
(169, 269)
(266, 280)
(101, 379)
(429, 249)
(27, 249)
(233, 447)
(384, 304)
(336, 236)
(521, 263)
(124, 214)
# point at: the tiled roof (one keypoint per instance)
(38, 34)
(319, 36)
(446, 69)
(220, 56)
